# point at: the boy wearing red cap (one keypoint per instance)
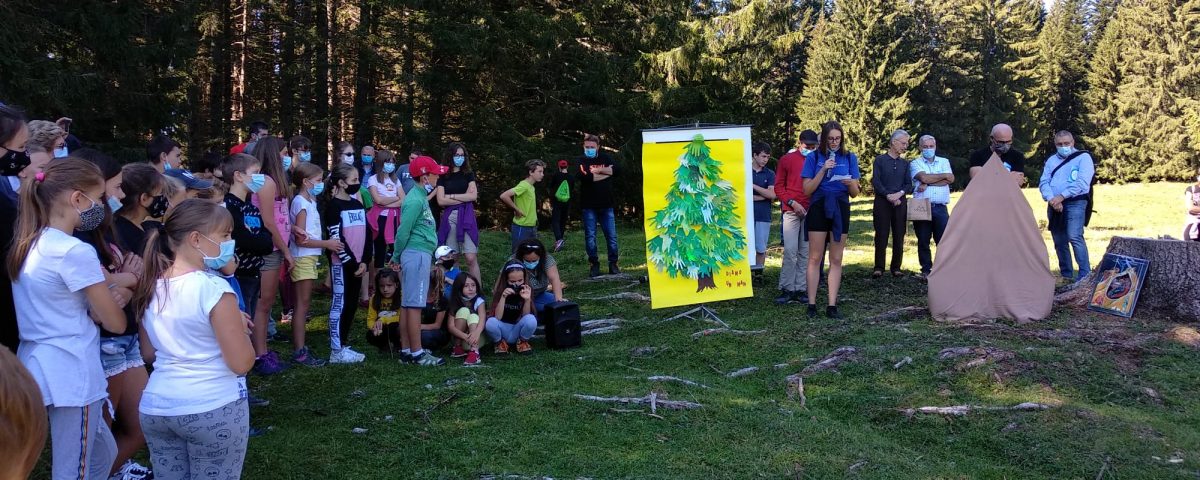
(416, 237)
(560, 185)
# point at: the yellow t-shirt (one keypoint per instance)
(386, 313)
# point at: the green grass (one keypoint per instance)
(517, 415)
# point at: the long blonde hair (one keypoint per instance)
(37, 202)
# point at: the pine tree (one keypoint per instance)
(700, 233)
(862, 70)
(1062, 70)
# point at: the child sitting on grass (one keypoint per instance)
(383, 319)
(464, 326)
(512, 320)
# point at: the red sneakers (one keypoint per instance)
(458, 352)
(472, 358)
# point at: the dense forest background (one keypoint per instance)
(527, 79)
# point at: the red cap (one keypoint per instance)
(423, 165)
(562, 164)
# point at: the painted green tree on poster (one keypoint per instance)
(699, 228)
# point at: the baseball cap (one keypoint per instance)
(443, 251)
(809, 136)
(191, 182)
(424, 165)
(562, 164)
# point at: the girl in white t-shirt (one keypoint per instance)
(384, 215)
(194, 411)
(60, 294)
(306, 249)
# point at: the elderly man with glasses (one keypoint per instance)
(1001, 148)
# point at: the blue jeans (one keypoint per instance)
(609, 223)
(520, 233)
(540, 301)
(932, 228)
(509, 332)
(1068, 236)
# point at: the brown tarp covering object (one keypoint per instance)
(992, 261)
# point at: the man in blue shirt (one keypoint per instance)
(764, 195)
(1066, 181)
(932, 177)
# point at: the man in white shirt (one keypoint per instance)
(932, 177)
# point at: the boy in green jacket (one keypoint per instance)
(416, 237)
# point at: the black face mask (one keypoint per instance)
(352, 189)
(13, 162)
(158, 207)
(448, 264)
(516, 287)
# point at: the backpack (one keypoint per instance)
(563, 194)
(1091, 194)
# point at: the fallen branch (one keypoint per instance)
(425, 413)
(713, 331)
(903, 362)
(742, 372)
(620, 296)
(596, 331)
(611, 276)
(832, 361)
(598, 323)
(795, 388)
(982, 355)
(667, 378)
(899, 314)
(650, 399)
(963, 410)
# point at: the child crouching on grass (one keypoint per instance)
(383, 319)
(513, 321)
(467, 307)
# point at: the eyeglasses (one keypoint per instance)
(834, 139)
(997, 142)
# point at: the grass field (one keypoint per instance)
(517, 415)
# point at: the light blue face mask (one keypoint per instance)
(388, 168)
(114, 204)
(367, 159)
(589, 152)
(530, 265)
(223, 258)
(60, 152)
(928, 153)
(1064, 151)
(317, 189)
(287, 162)
(459, 160)
(257, 181)
(805, 151)
(305, 156)
(428, 188)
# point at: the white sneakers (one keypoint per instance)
(131, 471)
(346, 355)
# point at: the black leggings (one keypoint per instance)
(343, 305)
(381, 249)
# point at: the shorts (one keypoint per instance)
(467, 246)
(272, 261)
(305, 269)
(414, 281)
(466, 314)
(118, 354)
(762, 232)
(818, 222)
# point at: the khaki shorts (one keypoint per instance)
(467, 245)
(306, 268)
(272, 261)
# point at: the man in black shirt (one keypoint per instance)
(596, 170)
(891, 182)
(1001, 147)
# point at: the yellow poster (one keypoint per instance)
(697, 218)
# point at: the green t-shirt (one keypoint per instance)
(526, 201)
(417, 230)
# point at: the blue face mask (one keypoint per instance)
(928, 153)
(388, 168)
(287, 162)
(60, 152)
(368, 159)
(530, 265)
(589, 152)
(459, 160)
(257, 181)
(805, 151)
(317, 189)
(305, 156)
(222, 259)
(114, 204)
(1064, 151)
(428, 188)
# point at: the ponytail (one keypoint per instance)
(37, 202)
(191, 215)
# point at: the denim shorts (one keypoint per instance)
(119, 354)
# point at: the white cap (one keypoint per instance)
(443, 251)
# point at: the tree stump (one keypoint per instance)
(1172, 283)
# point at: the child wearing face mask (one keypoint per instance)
(345, 222)
(194, 411)
(384, 215)
(253, 241)
(415, 243)
(512, 321)
(306, 249)
(61, 294)
(143, 187)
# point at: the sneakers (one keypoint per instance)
(784, 297)
(428, 360)
(595, 270)
(268, 364)
(612, 268)
(558, 244)
(304, 356)
(406, 359)
(472, 358)
(254, 401)
(132, 471)
(831, 311)
(502, 347)
(799, 296)
(286, 317)
(458, 352)
(346, 355)
(812, 310)
(523, 347)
